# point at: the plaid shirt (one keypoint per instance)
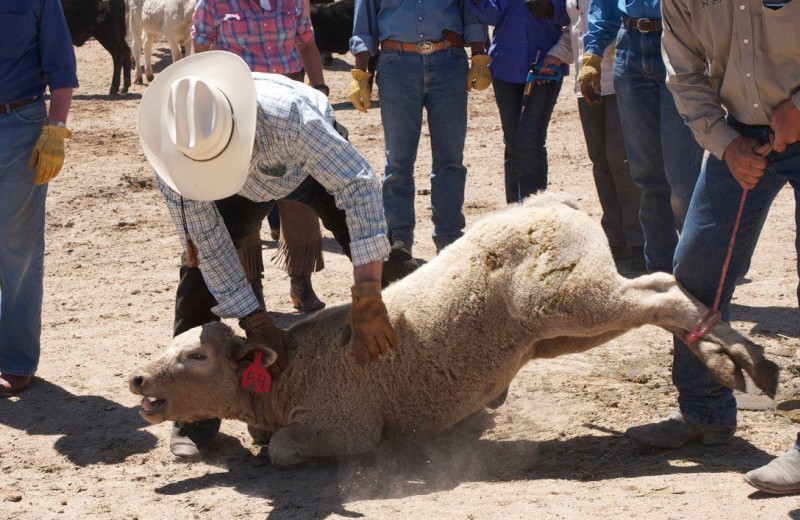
(295, 138)
(264, 38)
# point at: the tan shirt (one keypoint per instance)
(735, 54)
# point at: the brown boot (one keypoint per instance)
(302, 294)
(676, 430)
(12, 385)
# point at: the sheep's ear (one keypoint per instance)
(245, 353)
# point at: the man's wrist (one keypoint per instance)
(243, 320)
(59, 124)
(322, 87)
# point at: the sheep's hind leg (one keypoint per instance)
(148, 55)
(299, 444)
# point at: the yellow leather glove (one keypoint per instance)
(359, 90)
(479, 77)
(589, 77)
(371, 334)
(48, 153)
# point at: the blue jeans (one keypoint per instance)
(408, 83)
(21, 242)
(525, 160)
(701, 253)
(664, 157)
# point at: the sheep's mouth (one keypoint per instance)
(153, 409)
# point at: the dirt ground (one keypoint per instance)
(74, 447)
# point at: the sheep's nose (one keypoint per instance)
(136, 381)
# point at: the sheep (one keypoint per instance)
(170, 18)
(534, 281)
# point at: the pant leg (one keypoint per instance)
(401, 82)
(315, 196)
(508, 97)
(446, 103)
(299, 251)
(639, 100)
(699, 259)
(532, 137)
(22, 214)
(193, 300)
(593, 121)
(628, 193)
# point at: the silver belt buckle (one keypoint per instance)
(638, 25)
(425, 48)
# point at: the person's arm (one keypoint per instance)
(60, 101)
(307, 47)
(57, 56)
(487, 11)
(560, 15)
(562, 50)
(204, 26)
(364, 42)
(475, 33)
(218, 262)
(604, 18)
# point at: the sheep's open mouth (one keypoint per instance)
(152, 406)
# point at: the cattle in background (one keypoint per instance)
(170, 18)
(103, 20)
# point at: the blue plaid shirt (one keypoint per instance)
(295, 138)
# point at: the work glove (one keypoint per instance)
(589, 77)
(479, 77)
(540, 9)
(48, 153)
(359, 90)
(371, 334)
(262, 332)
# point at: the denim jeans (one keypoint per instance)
(663, 155)
(21, 241)
(701, 253)
(408, 83)
(525, 158)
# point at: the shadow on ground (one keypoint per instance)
(91, 429)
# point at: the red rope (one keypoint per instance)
(712, 316)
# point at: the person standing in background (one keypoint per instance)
(35, 53)
(423, 65)
(619, 195)
(523, 33)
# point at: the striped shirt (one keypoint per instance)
(295, 139)
(264, 38)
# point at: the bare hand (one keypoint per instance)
(546, 70)
(785, 124)
(745, 161)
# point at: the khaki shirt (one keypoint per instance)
(734, 55)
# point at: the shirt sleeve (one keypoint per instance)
(688, 80)
(563, 47)
(560, 15)
(474, 29)
(365, 27)
(322, 153)
(305, 31)
(218, 262)
(204, 25)
(487, 11)
(55, 47)
(604, 19)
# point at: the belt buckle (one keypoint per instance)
(425, 48)
(639, 25)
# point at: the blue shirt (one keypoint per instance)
(519, 39)
(35, 49)
(411, 21)
(605, 18)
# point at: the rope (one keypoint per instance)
(712, 316)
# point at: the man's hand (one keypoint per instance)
(371, 334)
(479, 77)
(47, 157)
(746, 165)
(589, 77)
(262, 331)
(359, 90)
(540, 9)
(785, 124)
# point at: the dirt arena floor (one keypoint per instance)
(74, 447)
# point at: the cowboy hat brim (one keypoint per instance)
(225, 174)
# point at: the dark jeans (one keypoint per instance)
(619, 195)
(525, 160)
(701, 253)
(242, 218)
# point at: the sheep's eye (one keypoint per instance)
(197, 356)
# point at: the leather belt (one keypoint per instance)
(7, 108)
(423, 48)
(643, 25)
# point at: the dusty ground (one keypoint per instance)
(74, 447)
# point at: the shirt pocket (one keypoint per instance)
(19, 33)
(781, 29)
(239, 30)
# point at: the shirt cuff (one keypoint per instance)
(561, 53)
(201, 38)
(796, 100)
(306, 37)
(64, 78)
(718, 139)
(237, 305)
(475, 33)
(370, 250)
(363, 43)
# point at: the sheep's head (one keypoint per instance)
(198, 377)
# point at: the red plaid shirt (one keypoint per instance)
(265, 39)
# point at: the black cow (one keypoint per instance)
(103, 20)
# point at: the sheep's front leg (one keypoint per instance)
(148, 55)
(299, 444)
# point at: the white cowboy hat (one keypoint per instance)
(197, 124)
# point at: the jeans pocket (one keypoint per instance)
(32, 114)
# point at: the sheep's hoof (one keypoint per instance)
(139, 81)
(150, 77)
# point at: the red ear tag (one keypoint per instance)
(255, 378)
